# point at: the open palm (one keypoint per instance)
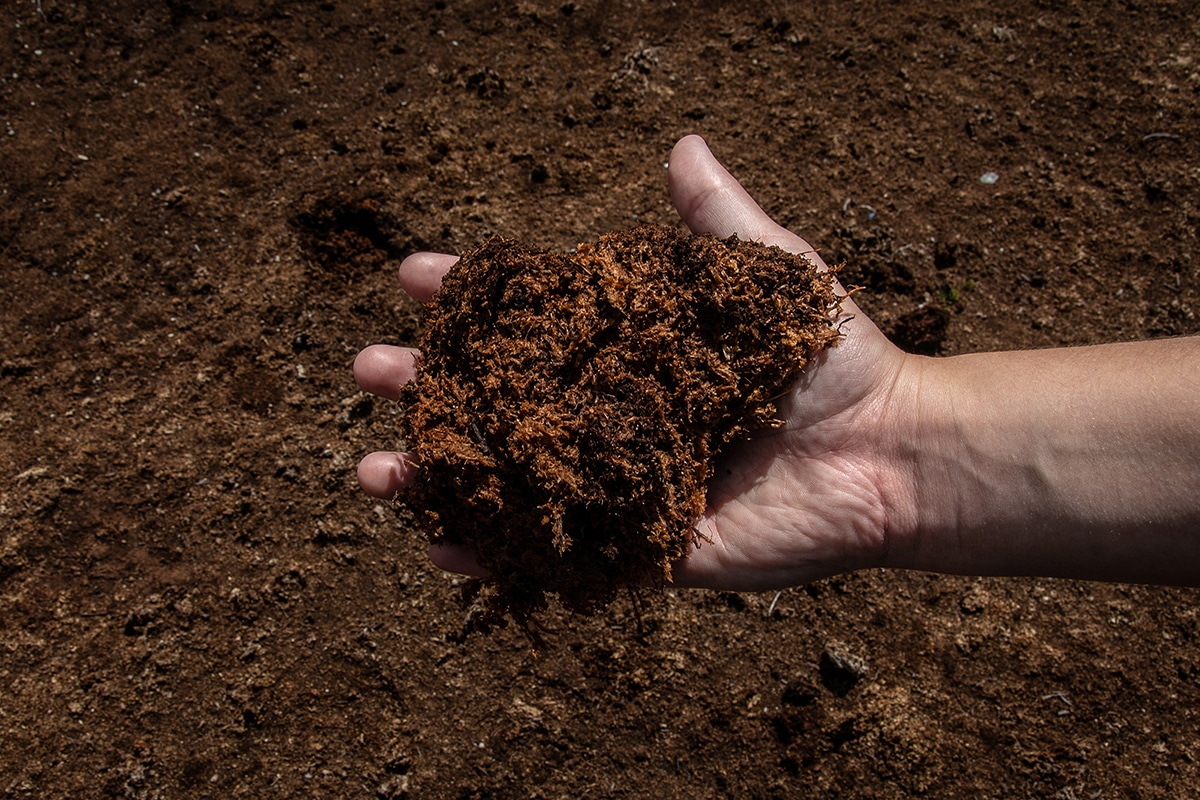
(812, 498)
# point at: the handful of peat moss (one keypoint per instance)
(567, 408)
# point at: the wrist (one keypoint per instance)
(927, 416)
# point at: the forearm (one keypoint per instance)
(1080, 462)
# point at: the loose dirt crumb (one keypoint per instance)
(568, 408)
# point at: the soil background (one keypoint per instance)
(202, 205)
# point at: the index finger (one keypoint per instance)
(421, 273)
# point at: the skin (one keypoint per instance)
(1080, 462)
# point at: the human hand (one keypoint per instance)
(815, 497)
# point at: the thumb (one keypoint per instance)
(710, 200)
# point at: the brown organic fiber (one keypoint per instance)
(568, 408)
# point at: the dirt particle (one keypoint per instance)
(921, 331)
(841, 669)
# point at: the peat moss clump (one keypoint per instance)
(567, 408)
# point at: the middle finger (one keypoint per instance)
(382, 369)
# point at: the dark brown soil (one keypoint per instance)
(568, 408)
(203, 203)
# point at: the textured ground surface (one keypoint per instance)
(201, 208)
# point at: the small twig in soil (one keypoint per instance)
(1059, 696)
(771, 609)
(637, 610)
